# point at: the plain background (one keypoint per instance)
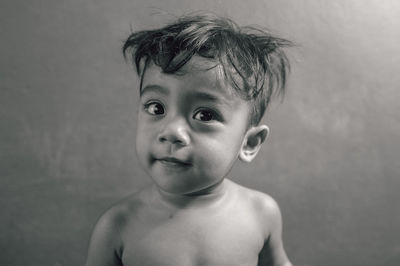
(68, 109)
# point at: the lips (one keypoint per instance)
(172, 161)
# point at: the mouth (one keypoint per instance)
(171, 161)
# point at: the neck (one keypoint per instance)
(204, 197)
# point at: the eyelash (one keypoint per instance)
(212, 115)
(147, 108)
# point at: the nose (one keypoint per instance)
(175, 132)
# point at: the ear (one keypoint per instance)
(254, 137)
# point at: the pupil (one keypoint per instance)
(205, 116)
(158, 109)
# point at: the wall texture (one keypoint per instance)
(67, 125)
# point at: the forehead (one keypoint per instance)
(197, 74)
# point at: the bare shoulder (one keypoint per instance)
(261, 201)
(121, 213)
(264, 207)
(106, 241)
(267, 212)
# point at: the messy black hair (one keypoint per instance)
(252, 60)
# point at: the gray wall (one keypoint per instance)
(67, 125)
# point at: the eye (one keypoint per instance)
(154, 108)
(205, 115)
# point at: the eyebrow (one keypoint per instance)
(202, 96)
(154, 88)
(210, 97)
(207, 97)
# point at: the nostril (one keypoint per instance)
(176, 140)
(174, 134)
(162, 139)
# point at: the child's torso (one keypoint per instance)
(231, 235)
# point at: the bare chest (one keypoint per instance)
(192, 240)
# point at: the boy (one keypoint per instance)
(204, 86)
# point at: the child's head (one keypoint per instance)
(204, 86)
(252, 61)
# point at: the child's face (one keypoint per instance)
(190, 129)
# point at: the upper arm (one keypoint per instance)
(273, 252)
(105, 243)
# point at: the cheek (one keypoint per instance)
(145, 128)
(220, 154)
(143, 140)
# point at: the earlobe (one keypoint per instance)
(255, 136)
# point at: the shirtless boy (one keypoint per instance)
(204, 86)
